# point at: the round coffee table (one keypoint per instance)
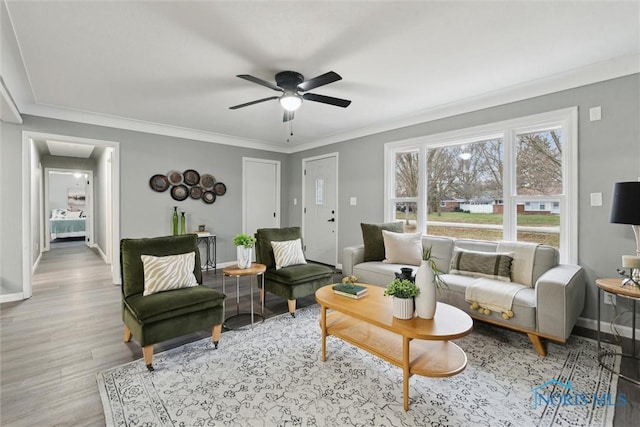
(234, 271)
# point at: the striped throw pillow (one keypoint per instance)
(482, 264)
(166, 273)
(288, 252)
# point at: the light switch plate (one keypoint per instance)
(595, 114)
(353, 201)
(596, 199)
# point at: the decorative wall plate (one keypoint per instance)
(195, 192)
(159, 183)
(179, 192)
(191, 177)
(209, 197)
(175, 177)
(219, 188)
(207, 181)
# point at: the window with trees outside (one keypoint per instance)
(514, 180)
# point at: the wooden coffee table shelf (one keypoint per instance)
(418, 346)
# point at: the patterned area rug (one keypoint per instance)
(272, 376)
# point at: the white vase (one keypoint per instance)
(244, 257)
(426, 299)
(403, 308)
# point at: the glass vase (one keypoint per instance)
(183, 224)
(175, 220)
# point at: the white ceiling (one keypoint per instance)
(169, 67)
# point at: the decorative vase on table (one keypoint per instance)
(175, 220)
(403, 308)
(244, 257)
(426, 300)
(183, 224)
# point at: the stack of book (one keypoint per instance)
(350, 291)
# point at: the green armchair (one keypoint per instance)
(292, 282)
(168, 314)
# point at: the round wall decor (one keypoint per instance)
(207, 181)
(159, 183)
(195, 192)
(191, 177)
(179, 192)
(209, 197)
(219, 188)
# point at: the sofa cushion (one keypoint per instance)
(372, 239)
(288, 252)
(482, 264)
(524, 303)
(169, 272)
(402, 248)
(264, 237)
(377, 272)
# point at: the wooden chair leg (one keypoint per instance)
(127, 334)
(147, 354)
(537, 344)
(215, 334)
(292, 307)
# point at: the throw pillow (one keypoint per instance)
(166, 273)
(401, 248)
(288, 252)
(372, 239)
(482, 264)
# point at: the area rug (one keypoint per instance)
(273, 376)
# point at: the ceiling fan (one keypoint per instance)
(291, 84)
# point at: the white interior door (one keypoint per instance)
(261, 194)
(320, 219)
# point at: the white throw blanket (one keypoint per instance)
(523, 256)
(492, 294)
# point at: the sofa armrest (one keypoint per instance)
(560, 293)
(351, 256)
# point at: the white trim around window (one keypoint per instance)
(566, 119)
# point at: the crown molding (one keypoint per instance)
(598, 72)
(594, 73)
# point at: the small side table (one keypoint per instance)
(234, 271)
(210, 253)
(613, 286)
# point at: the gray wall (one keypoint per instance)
(609, 151)
(143, 212)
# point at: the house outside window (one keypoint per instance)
(514, 180)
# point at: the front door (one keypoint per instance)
(320, 219)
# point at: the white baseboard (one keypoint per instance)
(102, 254)
(339, 267)
(11, 297)
(605, 327)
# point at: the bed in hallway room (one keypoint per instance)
(64, 223)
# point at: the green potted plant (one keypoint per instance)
(428, 279)
(244, 248)
(403, 291)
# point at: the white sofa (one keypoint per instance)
(547, 310)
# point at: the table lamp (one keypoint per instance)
(626, 210)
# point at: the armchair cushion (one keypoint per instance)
(264, 250)
(168, 272)
(297, 274)
(169, 304)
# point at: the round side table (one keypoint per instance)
(233, 271)
(613, 286)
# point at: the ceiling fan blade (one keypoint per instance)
(235, 107)
(322, 80)
(288, 115)
(260, 82)
(338, 102)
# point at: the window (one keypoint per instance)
(514, 180)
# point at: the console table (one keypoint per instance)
(210, 253)
(613, 286)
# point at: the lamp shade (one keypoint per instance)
(626, 203)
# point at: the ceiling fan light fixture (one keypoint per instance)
(290, 101)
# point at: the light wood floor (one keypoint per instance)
(52, 345)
